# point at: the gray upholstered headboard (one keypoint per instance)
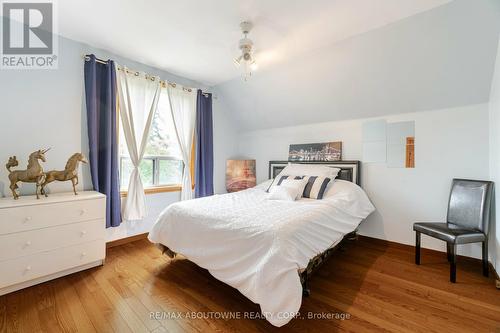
(349, 170)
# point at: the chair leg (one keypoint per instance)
(417, 247)
(485, 258)
(448, 251)
(453, 263)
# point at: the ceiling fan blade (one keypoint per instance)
(237, 61)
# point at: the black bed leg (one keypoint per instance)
(453, 263)
(485, 258)
(305, 288)
(417, 247)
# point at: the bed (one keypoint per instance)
(266, 249)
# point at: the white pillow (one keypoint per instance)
(340, 187)
(264, 185)
(282, 193)
(348, 197)
(302, 170)
(280, 178)
(297, 185)
(315, 187)
(295, 169)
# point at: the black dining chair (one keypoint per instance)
(467, 221)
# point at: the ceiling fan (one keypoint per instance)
(246, 60)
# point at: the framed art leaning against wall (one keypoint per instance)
(240, 175)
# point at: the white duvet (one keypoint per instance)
(258, 245)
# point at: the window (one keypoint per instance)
(162, 163)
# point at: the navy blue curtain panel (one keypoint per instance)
(100, 93)
(204, 167)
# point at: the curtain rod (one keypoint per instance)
(148, 76)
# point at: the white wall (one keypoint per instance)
(155, 204)
(437, 59)
(495, 157)
(225, 141)
(449, 143)
(46, 108)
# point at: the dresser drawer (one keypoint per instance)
(30, 242)
(22, 269)
(33, 217)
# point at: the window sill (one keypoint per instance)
(157, 189)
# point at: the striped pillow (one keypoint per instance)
(315, 187)
(278, 180)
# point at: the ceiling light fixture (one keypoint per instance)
(246, 59)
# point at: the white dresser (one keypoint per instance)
(47, 238)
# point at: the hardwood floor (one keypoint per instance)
(376, 283)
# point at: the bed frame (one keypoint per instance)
(350, 171)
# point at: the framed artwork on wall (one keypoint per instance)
(321, 152)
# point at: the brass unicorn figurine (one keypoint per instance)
(33, 174)
(70, 172)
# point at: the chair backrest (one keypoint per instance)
(469, 204)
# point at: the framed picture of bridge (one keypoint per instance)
(321, 152)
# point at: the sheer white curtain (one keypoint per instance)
(138, 100)
(183, 107)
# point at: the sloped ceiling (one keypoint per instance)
(198, 39)
(436, 59)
